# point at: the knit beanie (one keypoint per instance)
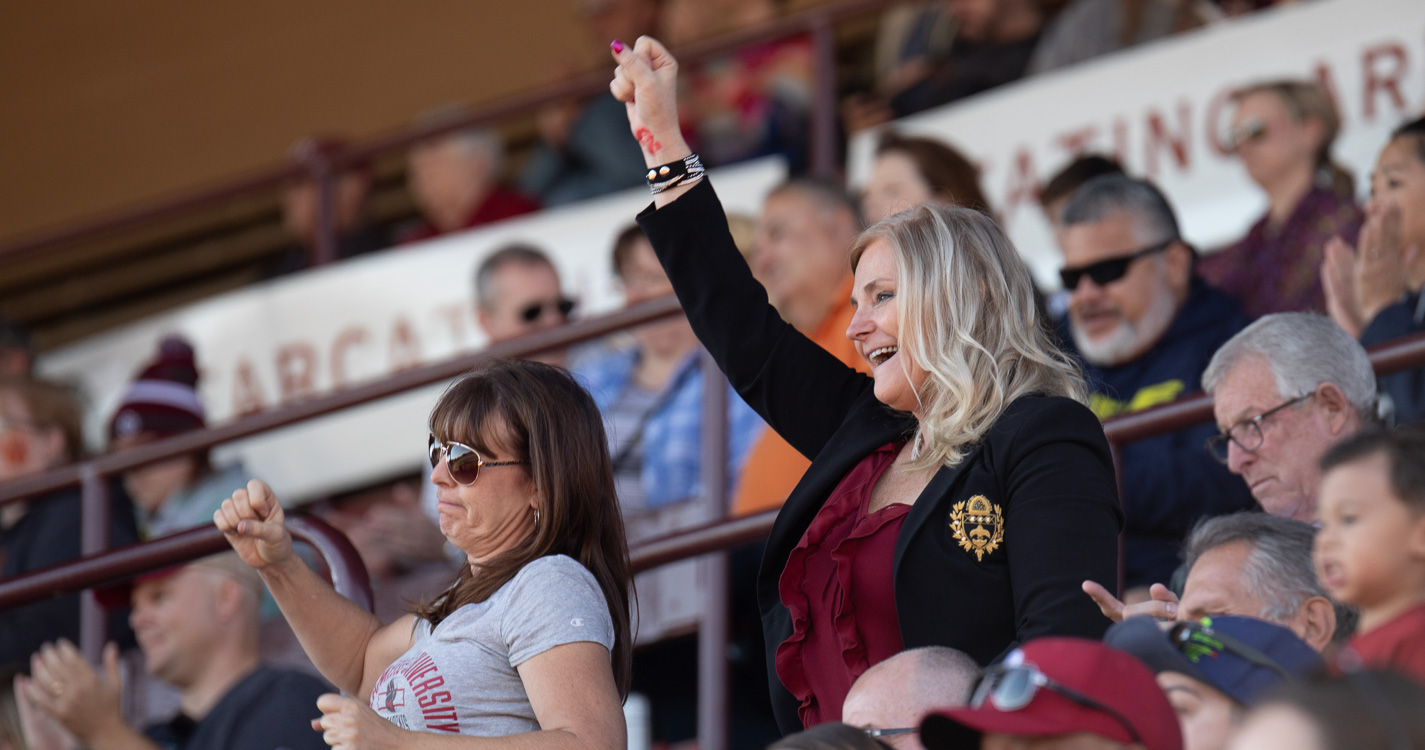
(164, 399)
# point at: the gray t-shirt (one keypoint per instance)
(461, 678)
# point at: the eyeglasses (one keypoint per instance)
(532, 312)
(879, 733)
(1110, 270)
(1251, 129)
(1012, 688)
(462, 461)
(1198, 641)
(1247, 434)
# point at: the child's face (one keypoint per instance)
(1371, 547)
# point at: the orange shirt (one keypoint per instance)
(774, 467)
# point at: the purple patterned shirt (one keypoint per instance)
(1280, 270)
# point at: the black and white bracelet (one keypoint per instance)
(685, 171)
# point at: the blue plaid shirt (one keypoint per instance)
(672, 434)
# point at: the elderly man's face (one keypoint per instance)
(447, 178)
(525, 298)
(1282, 471)
(1117, 321)
(1216, 585)
(801, 250)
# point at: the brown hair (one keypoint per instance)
(1308, 100)
(624, 244)
(1404, 451)
(540, 415)
(51, 406)
(830, 736)
(952, 177)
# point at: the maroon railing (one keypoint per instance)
(323, 166)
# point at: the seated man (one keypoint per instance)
(1214, 669)
(890, 699)
(1284, 390)
(197, 626)
(455, 181)
(1144, 327)
(1249, 564)
(518, 292)
(1060, 694)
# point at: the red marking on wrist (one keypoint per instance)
(645, 139)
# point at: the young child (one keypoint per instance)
(1370, 551)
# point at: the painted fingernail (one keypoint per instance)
(617, 46)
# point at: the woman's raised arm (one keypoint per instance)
(348, 644)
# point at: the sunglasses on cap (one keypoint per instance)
(462, 461)
(1198, 641)
(1012, 688)
(1110, 270)
(532, 312)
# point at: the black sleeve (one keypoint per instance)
(800, 390)
(1062, 520)
(1407, 388)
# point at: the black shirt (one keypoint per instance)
(270, 709)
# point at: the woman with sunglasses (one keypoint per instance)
(1283, 131)
(957, 496)
(531, 643)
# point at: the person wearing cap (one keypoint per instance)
(175, 493)
(1213, 669)
(198, 627)
(1060, 694)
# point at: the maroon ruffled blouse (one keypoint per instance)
(838, 585)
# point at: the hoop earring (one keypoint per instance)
(536, 517)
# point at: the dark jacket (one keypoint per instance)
(1169, 481)
(1405, 389)
(1045, 466)
(48, 534)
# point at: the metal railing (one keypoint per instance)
(323, 166)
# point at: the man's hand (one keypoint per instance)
(1338, 280)
(351, 724)
(1380, 261)
(66, 688)
(1163, 604)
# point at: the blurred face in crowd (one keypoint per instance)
(625, 20)
(643, 279)
(875, 329)
(1282, 472)
(25, 447)
(802, 248)
(151, 485)
(177, 620)
(1118, 321)
(492, 515)
(1371, 547)
(896, 184)
(1271, 143)
(299, 205)
(991, 20)
(1205, 714)
(1399, 180)
(1278, 727)
(448, 177)
(525, 299)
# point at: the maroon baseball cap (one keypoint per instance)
(1089, 688)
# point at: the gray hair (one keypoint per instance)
(1108, 194)
(515, 252)
(1279, 569)
(827, 195)
(473, 140)
(1304, 351)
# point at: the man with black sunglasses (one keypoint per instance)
(1144, 327)
(518, 292)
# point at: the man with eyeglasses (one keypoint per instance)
(517, 292)
(1214, 669)
(888, 700)
(1060, 694)
(1144, 327)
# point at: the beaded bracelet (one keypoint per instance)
(685, 171)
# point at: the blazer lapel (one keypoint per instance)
(926, 504)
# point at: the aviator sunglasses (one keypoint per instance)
(462, 461)
(1110, 270)
(531, 312)
(1012, 688)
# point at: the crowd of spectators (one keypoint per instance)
(1273, 562)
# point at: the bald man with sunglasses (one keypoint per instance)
(1144, 327)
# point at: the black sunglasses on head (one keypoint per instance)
(1110, 270)
(533, 311)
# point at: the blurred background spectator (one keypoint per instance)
(1086, 29)
(17, 354)
(518, 292)
(355, 234)
(1283, 132)
(455, 180)
(909, 171)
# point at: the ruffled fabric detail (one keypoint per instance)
(838, 587)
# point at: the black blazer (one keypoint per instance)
(978, 579)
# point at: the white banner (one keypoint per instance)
(365, 318)
(1163, 111)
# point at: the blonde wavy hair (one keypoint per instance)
(967, 317)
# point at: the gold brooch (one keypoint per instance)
(978, 528)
